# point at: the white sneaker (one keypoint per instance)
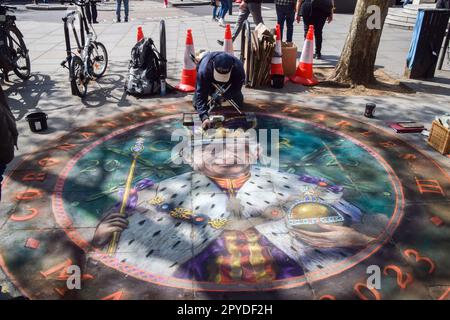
(222, 22)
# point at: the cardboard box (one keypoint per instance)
(289, 58)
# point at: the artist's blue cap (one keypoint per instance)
(223, 64)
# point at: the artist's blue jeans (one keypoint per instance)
(286, 13)
(224, 7)
(125, 7)
(2, 170)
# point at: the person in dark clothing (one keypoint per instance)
(286, 13)
(8, 136)
(91, 11)
(126, 8)
(246, 8)
(315, 13)
(223, 69)
(443, 4)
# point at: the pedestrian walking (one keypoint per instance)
(286, 14)
(224, 7)
(315, 13)
(125, 8)
(246, 7)
(91, 11)
(8, 136)
(216, 9)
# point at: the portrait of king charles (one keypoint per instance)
(232, 219)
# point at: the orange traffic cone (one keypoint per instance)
(140, 34)
(304, 74)
(277, 62)
(189, 73)
(228, 41)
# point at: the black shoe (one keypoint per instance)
(126, 19)
(95, 22)
(220, 42)
(118, 19)
(318, 56)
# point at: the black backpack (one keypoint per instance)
(145, 69)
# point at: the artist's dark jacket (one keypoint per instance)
(8, 131)
(205, 78)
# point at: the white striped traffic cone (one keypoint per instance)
(189, 73)
(228, 41)
(277, 62)
(304, 74)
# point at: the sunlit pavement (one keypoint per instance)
(48, 90)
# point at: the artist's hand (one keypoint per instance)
(206, 124)
(110, 224)
(333, 237)
(298, 18)
(330, 18)
(243, 5)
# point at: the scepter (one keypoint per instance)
(136, 150)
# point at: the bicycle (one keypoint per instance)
(90, 60)
(13, 51)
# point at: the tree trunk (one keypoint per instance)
(357, 62)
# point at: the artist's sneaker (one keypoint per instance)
(318, 56)
(222, 22)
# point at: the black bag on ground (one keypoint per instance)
(144, 70)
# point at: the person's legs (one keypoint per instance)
(118, 5)
(255, 10)
(88, 13)
(281, 17)
(243, 15)
(307, 21)
(2, 170)
(214, 12)
(94, 12)
(319, 22)
(126, 8)
(290, 18)
(224, 8)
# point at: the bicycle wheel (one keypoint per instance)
(78, 81)
(99, 59)
(162, 47)
(19, 53)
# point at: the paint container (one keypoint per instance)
(37, 121)
(370, 110)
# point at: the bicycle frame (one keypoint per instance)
(83, 40)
